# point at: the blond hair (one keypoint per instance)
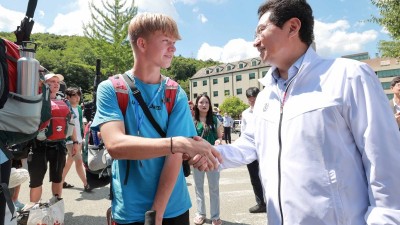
(144, 24)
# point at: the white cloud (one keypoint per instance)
(385, 30)
(234, 50)
(10, 19)
(202, 18)
(71, 22)
(158, 6)
(334, 39)
(192, 2)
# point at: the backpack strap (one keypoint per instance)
(171, 88)
(143, 105)
(121, 91)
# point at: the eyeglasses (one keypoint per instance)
(260, 28)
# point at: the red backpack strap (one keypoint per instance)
(121, 91)
(171, 88)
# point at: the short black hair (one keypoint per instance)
(283, 10)
(252, 92)
(72, 91)
(395, 81)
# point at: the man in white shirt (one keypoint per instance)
(227, 123)
(253, 168)
(325, 139)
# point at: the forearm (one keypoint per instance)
(169, 175)
(131, 147)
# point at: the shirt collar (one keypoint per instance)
(291, 72)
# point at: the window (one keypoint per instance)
(215, 93)
(241, 65)
(388, 73)
(263, 73)
(205, 93)
(195, 95)
(204, 82)
(226, 79)
(386, 85)
(215, 81)
(229, 68)
(227, 92)
(217, 70)
(238, 77)
(207, 71)
(195, 84)
(254, 63)
(252, 76)
(239, 91)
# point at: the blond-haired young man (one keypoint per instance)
(155, 178)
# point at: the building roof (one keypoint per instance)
(379, 64)
(223, 68)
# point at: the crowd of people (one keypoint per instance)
(320, 142)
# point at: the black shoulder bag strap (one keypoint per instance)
(143, 105)
(139, 98)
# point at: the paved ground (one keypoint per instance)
(89, 208)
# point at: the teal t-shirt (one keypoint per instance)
(131, 201)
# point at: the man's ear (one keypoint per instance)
(141, 43)
(294, 26)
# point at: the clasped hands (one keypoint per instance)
(201, 154)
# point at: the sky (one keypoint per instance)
(222, 30)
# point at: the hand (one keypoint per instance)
(197, 146)
(397, 116)
(199, 162)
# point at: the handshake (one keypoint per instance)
(199, 153)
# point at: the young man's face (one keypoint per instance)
(396, 89)
(54, 84)
(160, 49)
(252, 101)
(74, 98)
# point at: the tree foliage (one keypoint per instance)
(233, 106)
(389, 11)
(108, 34)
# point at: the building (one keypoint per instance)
(229, 79)
(233, 79)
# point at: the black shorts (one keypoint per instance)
(183, 219)
(46, 152)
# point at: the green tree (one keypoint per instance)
(390, 19)
(108, 33)
(233, 106)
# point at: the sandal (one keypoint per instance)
(199, 219)
(66, 185)
(217, 222)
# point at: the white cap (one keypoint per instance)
(50, 75)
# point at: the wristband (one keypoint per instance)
(75, 142)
